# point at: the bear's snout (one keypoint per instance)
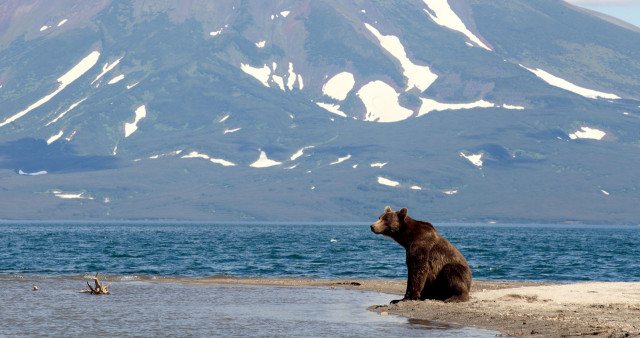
(377, 227)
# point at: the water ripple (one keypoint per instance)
(494, 252)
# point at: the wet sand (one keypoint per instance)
(513, 308)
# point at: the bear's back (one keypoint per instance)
(425, 234)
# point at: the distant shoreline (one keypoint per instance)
(437, 223)
(514, 308)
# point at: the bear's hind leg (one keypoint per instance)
(455, 281)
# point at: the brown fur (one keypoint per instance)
(436, 269)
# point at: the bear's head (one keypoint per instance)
(389, 223)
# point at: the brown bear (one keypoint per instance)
(436, 269)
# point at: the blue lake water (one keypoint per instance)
(60, 256)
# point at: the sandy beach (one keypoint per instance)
(514, 308)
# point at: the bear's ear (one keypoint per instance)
(402, 213)
(388, 209)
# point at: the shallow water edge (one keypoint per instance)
(509, 307)
(277, 306)
(205, 306)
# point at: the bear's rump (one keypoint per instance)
(453, 280)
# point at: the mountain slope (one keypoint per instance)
(514, 111)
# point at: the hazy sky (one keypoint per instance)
(627, 10)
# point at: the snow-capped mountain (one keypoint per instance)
(461, 110)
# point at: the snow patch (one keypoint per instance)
(264, 74)
(508, 106)
(588, 133)
(68, 195)
(378, 164)
(261, 74)
(73, 74)
(284, 14)
(446, 17)
(415, 187)
(332, 108)
(429, 105)
(132, 85)
(37, 173)
(44, 28)
(279, 81)
(62, 22)
(219, 31)
(420, 77)
(79, 69)
(450, 192)
(291, 78)
(171, 153)
(116, 79)
(339, 86)
(475, 159)
(388, 182)
(227, 131)
(566, 85)
(261, 44)
(300, 152)
(106, 68)
(264, 162)
(340, 160)
(381, 102)
(224, 118)
(195, 154)
(75, 104)
(68, 138)
(55, 137)
(130, 128)
(605, 192)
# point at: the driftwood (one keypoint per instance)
(98, 289)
